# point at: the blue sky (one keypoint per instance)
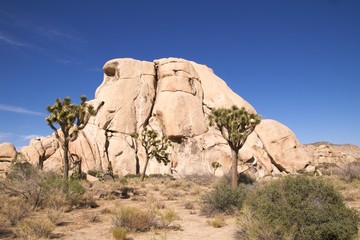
(296, 61)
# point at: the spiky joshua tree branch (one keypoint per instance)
(235, 125)
(71, 118)
(155, 147)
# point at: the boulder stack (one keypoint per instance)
(173, 96)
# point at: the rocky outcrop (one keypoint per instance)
(8, 153)
(325, 152)
(173, 96)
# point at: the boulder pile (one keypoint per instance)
(173, 96)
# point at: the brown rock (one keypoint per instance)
(7, 152)
(284, 150)
(173, 96)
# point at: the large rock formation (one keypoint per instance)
(338, 154)
(7, 155)
(173, 96)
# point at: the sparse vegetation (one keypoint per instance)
(217, 221)
(133, 219)
(119, 233)
(154, 215)
(55, 216)
(223, 199)
(14, 210)
(349, 171)
(34, 229)
(168, 217)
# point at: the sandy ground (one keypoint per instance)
(79, 224)
(192, 225)
(96, 223)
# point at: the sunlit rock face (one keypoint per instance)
(173, 96)
(7, 155)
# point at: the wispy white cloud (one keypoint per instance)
(21, 110)
(40, 29)
(68, 61)
(43, 36)
(10, 41)
(28, 137)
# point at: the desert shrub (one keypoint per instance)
(326, 168)
(223, 199)
(349, 171)
(94, 173)
(55, 216)
(189, 205)
(78, 176)
(133, 219)
(14, 210)
(168, 217)
(34, 229)
(24, 181)
(4, 224)
(246, 178)
(43, 189)
(21, 170)
(119, 233)
(253, 227)
(297, 207)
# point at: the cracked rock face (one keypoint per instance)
(173, 96)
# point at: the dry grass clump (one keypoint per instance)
(133, 219)
(189, 205)
(93, 217)
(14, 210)
(55, 216)
(4, 224)
(171, 194)
(217, 221)
(168, 217)
(119, 233)
(34, 229)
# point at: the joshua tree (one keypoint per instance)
(215, 166)
(155, 147)
(235, 125)
(71, 118)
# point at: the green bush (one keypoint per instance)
(223, 199)
(297, 207)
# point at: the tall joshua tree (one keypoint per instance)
(71, 118)
(155, 147)
(235, 125)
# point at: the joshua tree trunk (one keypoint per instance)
(145, 167)
(66, 160)
(234, 169)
